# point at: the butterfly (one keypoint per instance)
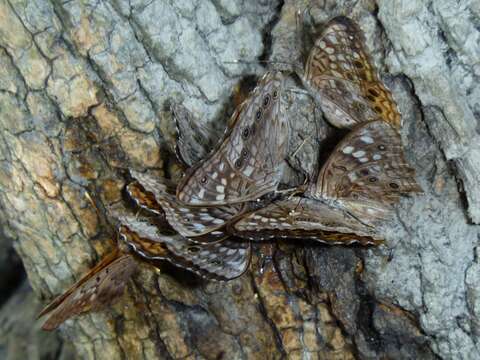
(366, 173)
(354, 193)
(341, 77)
(222, 260)
(193, 138)
(189, 221)
(302, 218)
(247, 163)
(99, 287)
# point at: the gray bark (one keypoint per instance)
(84, 93)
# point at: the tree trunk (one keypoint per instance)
(85, 88)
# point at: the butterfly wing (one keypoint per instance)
(303, 218)
(186, 220)
(96, 289)
(246, 165)
(342, 78)
(366, 173)
(222, 260)
(193, 138)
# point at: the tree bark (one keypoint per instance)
(84, 93)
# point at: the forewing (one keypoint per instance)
(223, 260)
(193, 138)
(366, 173)
(98, 288)
(246, 165)
(303, 218)
(188, 221)
(342, 78)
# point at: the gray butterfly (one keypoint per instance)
(302, 218)
(355, 191)
(188, 221)
(366, 173)
(221, 260)
(247, 163)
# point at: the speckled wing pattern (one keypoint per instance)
(303, 218)
(340, 75)
(222, 260)
(246, 165)
(96, 289)
(366, 173)
(188, 221)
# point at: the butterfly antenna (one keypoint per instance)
(304, 141)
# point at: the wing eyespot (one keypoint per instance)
(373, 92)
(266, 100)
(246, 133)
(258, 115)
(358, 64)
(373, 179)
(393, 185)
(349, 76)
(203, 180)
(238, 163)
(381, 147)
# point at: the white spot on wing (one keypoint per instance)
(347, 149)
(248, 170)
(377, 157)
(359, 153)
(367, 139)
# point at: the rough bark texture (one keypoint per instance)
(84, 93)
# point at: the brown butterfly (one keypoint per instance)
(355, 191)
(341, 77)
(366, 173)
(188, 221)
(247, 163)
(101, 286)
(222, 260)
(302, 218)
